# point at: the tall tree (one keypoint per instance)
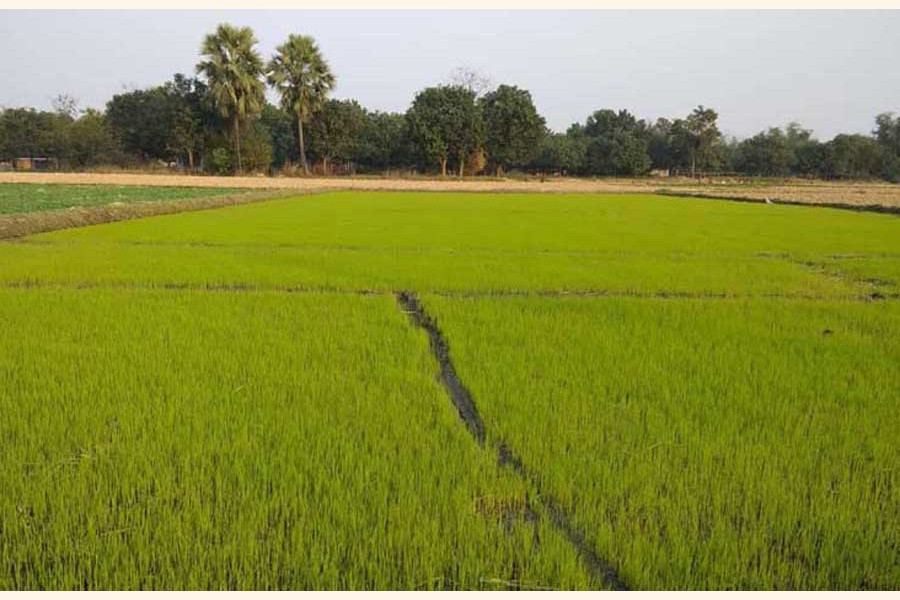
(702, 135)
(561, 153)
(382, 141)
(280, 125)
(766, 153)
(303, 79)
(445, 122)
(617, 143)
(659, 146)
(335, 130)
(91, 142)
(233, 69)
(513, 127)
(853, 156)
(887, 132)
(140, 119)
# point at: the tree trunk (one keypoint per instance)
(443, 167)
(462, 164)
(302, 146)
(693, 165)
(499, 170)
(237, 144)
(325, 166)
(190, 153)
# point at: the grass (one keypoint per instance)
(232, 399)
(17, 198)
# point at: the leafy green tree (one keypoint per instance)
(445, 122)
(766, 153)
(233, 69)
(383, 141)
(887, 132)
(141, 119)
(303, 79)
(695, 139)
(191, 117)
(25, 132)
(562, 153)
(280, 125)
(513, 127)
(617, 144)
(257, 148)
(629, 155)
(806, 152)
(659, 147)
(854, 157)
(91, 141)
(334, 132)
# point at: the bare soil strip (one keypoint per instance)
(465, 405)
(18, 225)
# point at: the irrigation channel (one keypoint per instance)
(599, 568)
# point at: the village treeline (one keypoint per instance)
(219, 121)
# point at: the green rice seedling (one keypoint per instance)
(169, 440)
(655, 225)
(427, 269)
(231, 399)
(701, 444)
(642, 245)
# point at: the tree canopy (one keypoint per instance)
(303, 79)
(513, 128)
(233, 70)
(445, 123)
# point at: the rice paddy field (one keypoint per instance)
(382, 390)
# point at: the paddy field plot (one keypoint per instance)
(674, 393)
(16, 198)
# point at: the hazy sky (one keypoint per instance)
(831, 70)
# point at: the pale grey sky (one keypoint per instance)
(831, 70)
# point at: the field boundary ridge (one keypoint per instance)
(22, 224)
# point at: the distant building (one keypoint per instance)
(659, 173)
(35, 163)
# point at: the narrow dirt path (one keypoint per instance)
(599, 568)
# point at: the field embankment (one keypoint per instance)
(21, 220)
(861, 195)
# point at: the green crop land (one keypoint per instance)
(18, 198)
(696, 394)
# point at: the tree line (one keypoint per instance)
(219, 121)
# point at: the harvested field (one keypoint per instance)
(849, 194)
(387, 390)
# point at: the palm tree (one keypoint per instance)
(303, 79)
(233, 69)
